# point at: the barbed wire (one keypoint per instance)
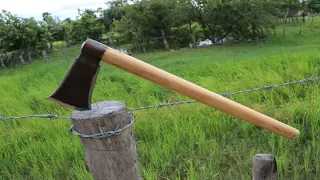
(171, 104)
(102, 134)
(47, 116)
(263, 88)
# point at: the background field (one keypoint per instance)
(189, 141)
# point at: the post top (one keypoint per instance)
(101, 109)
(264, 156)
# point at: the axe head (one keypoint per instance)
(75, 90)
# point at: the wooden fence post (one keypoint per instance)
(194, 38)
(64, 54)
(1, 62)
(22, 62)
(44, 55)
(264, 167)
(112, 157)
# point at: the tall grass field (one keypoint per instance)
(191, 141)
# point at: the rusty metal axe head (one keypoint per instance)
(75, 90)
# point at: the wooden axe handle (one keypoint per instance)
(196, 92)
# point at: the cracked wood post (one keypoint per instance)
(22, 62)
(1, 62)
(194, 38)
(44, 55)
(264, 167)
(164, 38)
(112, 157)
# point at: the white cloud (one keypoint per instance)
(61, 8)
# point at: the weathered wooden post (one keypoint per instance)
(300, 32)
(22, 62)
(29, 53)
(264, 167)
(44, 55)
(284, 23)
(164, 38)
(107, 135)
(1, 62)
(64, 54)
(194, 38)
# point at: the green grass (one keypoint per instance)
(190, 141)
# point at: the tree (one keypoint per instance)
(22, 34)
(132, 25)
(46, 16)
(191, 12)
(314, 6)
(242, 19)
(66, 26)
(87, 26)
(154, 19)
(114, 13)
(154, 24)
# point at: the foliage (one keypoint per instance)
(314, 5)
(143, 21)
(87, 26)
(22, 33)
(158, 24)
(55, 27)
(111, 14)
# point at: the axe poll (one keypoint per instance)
(76, 88)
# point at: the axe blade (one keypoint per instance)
(75, 90)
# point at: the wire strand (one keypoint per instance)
(171, 104)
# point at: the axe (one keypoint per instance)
(75, 90)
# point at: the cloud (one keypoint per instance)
(61, 8)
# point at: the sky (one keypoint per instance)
(62, 8)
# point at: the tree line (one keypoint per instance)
(153, 24)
